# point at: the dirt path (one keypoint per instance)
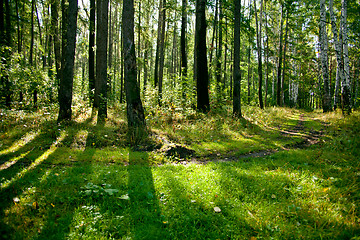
(309, 138)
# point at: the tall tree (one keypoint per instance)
(200, 59)
(259, 50)
(66, 82)
(92, 52)
(159, 57)
(278, 89)
(338, 53)
(135, 111)
(236, 67)
(345, 85)
(219, 50)
(324, 58)
(184, 65)
(100, 97)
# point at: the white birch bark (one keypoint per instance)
(324, 58)
(338, 51)
(346, 92)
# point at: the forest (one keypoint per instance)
(168, 119)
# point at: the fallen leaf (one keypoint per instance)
(217, 209)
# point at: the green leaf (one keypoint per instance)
(111, 191)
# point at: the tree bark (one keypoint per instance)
(101, 58)
(236, 66)
(135, 111)
(338, 53)
(219, 53)
(92, 52)
(66, 83)
(278, 89)
(259, 50)
(324, 58)
(345, 91)
(55, 32)
(200, 58)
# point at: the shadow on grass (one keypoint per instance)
(146, 219)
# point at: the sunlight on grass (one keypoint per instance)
(20, 143)
(80, 140)
(13, 161)
(39, 160)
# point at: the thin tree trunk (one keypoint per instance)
(284, 59)
(279, 90)
(32, 32)
(338, 53)
(139, 38)
(259, 50)
(183, 48)
(346, 91)
(200, 58)
(55, 32)
(219, 52)
(162, 50)
(266, 58)
(92, 52)
(324, 58)
(66, 83)
(236, 66)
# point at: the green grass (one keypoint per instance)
(83, 181)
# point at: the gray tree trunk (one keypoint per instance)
(324, 58)
(135, 110)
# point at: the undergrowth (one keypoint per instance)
(84, 181)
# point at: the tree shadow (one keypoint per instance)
(146, 218)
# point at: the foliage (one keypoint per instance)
(82, 180)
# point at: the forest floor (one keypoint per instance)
(278, 173)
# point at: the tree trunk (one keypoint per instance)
(101, 58)
(92, 52)
(66, 83)
(324, 58)
(31, 52)
(162, 50)
(345, 91)
(219, 53)
(259, 50)
(55, 32)
(278, 89)
(159, 42)
(135, 111)
(200, 59)
(284, 59)
(266, 58)
(338, 53)
(236, 67)
(184, 66)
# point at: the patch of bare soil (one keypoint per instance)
(309, 137)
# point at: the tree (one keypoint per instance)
(324, 58)
(100, 97)
(345, 91)
(135, 111)
(66, 81)
(200, 59)
(236, 67)
(92, 52)
(278, 89)
(259, 50)
(159, 58)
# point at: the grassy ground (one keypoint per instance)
(83, 181)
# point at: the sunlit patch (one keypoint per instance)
(80, 140)
(13, 161)
(39, 160)
(20, 143)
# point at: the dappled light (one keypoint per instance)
(37, 161)
(28, 137)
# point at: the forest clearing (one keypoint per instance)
(84, 181)
(169, 119)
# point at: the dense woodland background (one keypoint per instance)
(302, 54)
